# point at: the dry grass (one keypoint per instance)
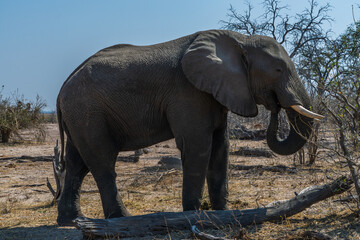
(26, 212)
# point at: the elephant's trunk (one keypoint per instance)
(300, 130)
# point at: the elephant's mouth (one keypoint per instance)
(273, 104)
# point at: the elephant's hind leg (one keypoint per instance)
(100, 152)
(112, 203)
(76, 170)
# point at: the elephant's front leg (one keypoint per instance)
(195, 159)
(217, 170)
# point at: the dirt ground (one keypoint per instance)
(26, 211)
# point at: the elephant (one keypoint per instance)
(128, 97)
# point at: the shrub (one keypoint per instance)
(18, 113)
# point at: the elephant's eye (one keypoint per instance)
(279, 70)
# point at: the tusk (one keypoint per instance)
(303, 111)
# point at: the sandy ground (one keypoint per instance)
(25, 201)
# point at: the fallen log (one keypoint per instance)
(162, 223)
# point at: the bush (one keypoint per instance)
(17, 113)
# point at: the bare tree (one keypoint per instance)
(333, 74)
(344, 88)
(294, 32)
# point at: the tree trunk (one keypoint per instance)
(5, 135)
(313, 144)
(350, 163)
(162, 223)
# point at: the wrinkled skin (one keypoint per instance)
(128, 97)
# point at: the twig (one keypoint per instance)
(171, 171)
(204, 236)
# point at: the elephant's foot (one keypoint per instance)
(121, 213)
(67, 219)
(219, 202)
(220, 207)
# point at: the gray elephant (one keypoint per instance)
(128, 97)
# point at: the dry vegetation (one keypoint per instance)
(26, 211)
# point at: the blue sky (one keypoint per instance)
(43, 41)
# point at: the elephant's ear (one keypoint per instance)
(216, 63)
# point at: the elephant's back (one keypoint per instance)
(126, 56)
(126, 69)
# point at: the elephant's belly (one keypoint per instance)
(130, 142)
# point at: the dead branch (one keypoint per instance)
(314, 235)
(26, 185)
(277, 168)
(48, 184)
(33, 159)
(170, 162)
(59, 172)
(161, 223)
(349, 198)
(250, 152)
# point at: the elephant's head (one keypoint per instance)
(243, 71)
